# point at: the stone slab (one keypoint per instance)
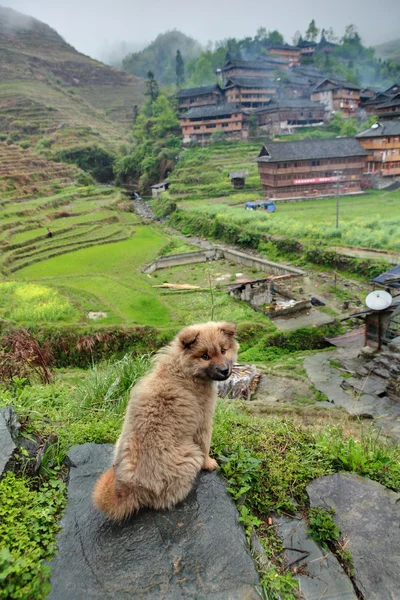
(369, 516)
(320, 574)
(304, 318)
(327, 381)
(196, 551)
(7, 445)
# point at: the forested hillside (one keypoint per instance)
(348, 57)
(160, 56)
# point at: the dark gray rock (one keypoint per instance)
(9, 427)
(320, 574)
(369, 517)
(13, 425)
(197, 551)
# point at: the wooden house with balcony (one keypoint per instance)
(199, 96)
(382, 143)
(338, 96)
(307, 48)
(260, 67)
(283, 114)
(389, 109)
(383, 102)
(291, 54)
(198, 124)
(311, 168)
(250, 92)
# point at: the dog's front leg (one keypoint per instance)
(203, 439)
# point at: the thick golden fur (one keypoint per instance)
(165, 439)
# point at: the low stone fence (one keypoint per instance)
(241, 258)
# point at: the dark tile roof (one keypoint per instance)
(250, 82)
(382, 128)
(289, 103)
(384, 279)
(392, 91)
(379, 99)
(309, 70)
(306, 44)
(334, 84)
(311, 149)
(198, 91)
(395, 101)
(259, 63)
(212, 110)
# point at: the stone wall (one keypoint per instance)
(261, 264)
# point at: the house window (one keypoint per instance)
(196, 127)
(310, 115)
(315, 163)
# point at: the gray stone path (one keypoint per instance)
(197, 551)
(369, 517)
(320, 574)
(355, 401)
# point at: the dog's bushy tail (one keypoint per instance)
(117, 504)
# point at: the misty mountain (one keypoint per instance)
(159, 56)
(57, 101)
(32, 52)
(389, 50)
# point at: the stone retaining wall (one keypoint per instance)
(199, 256)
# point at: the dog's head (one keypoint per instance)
(209, 350)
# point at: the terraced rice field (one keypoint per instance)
(92, 264)
(204, 172)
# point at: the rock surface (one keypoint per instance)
(197, 551)
(9, 428)
(319, 572)
(369, 516)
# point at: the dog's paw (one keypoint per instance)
(210, 464)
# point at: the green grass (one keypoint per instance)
(369, 221)
(33, 303)
(267, 462)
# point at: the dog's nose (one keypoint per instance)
(224, 371)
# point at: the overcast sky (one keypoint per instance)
(90, 25)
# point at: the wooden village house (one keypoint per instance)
(311, 168)
(198, 124)
(199, 96)
(338, 96)
(292, 54)
(282, 114)
(382, 143)
(260, 67)
(250, 92)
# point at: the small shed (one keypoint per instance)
(381, 326)
(159, 187)
(238, 179)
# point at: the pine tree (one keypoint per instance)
(151, 87)
(135, 113)
(179, 69)
(312, 32)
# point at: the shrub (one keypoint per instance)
(28, 524)
(92, 158)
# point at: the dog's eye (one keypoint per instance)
(223, 351)
(205, 357)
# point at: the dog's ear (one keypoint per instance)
(228, 329)
(188, 337)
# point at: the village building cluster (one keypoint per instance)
(276, 93)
